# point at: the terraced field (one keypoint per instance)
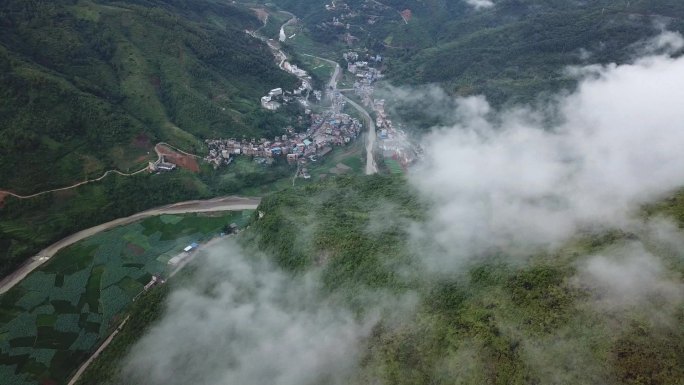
(57, 316)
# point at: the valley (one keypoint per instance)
(345, 192)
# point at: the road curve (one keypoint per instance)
(371, 166)
(106, 173)
(230, 203)
(6, 192)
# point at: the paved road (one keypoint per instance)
(332, 84)
(231, 203)
(371, 166)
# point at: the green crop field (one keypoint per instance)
(393, 166)
(56, 317)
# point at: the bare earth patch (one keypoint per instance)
(340, 169)
(181, 160)
(261, 14)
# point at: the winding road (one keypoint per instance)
(230, 203)
(106, 173)
(371, 166)
(6, 192)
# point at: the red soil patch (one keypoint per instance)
(261, 14)
(181, 160)
(407, 15)
(135, 249)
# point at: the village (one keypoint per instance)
(327, 130)
(393, 142)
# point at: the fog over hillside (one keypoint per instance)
(479, 4)
(510, 181)
(514, 182)
(243, 321)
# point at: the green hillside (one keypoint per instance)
(512, 52)
(92, 85)
(495, 321)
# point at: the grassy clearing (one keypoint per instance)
(318, 68)
(350, 156)
(54, 318)
(393, 166)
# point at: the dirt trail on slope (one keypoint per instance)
(186, 159)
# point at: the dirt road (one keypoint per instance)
(97, 352)
(231, 203)
(4, 193)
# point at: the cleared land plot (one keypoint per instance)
(183, 161)
(54, 318)
(349, 157)
(394, 166)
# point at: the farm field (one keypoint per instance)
(54, 319)
(393, 166)
(349, 156)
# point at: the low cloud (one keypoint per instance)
(629, 276)
(665, 43)
(480, 4)
(245, 322)
(508, 181)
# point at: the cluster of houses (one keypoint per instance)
(393, 142)
(271, 101)
(161, 165)
(276, 97)
(365, 74)
(326, 130)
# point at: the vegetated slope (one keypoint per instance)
(91, 85)
(519, 48)
(52, 320)
(494, 321)
(510, 52)
(29, 225)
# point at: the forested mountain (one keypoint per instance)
(92, 85)
(511, 51)
(494, 321)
